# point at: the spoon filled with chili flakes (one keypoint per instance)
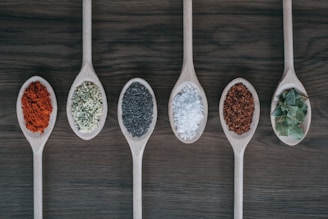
(239, 114)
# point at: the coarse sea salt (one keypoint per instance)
(188, 112)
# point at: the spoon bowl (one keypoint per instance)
(137, 145)
(289, 79)
(239, 142)
(188, 76)
(37, 140)
(87, 73)
(180, 85)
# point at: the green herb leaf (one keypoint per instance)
(290, 113)
(305, 109)
(284, 108)
(282, 127)
(296, 132)
(290, 97)
(291, 122)
(277, 111)
(300, 116)
(283, 95)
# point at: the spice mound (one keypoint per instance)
(36, 106)
(86, 106)
(238, 109)
(188, 112)
(290, 113)
(137, 109)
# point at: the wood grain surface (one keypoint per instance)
(143, 38)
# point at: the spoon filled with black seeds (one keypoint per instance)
(137, 115)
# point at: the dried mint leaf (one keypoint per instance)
(277, 111)
(296, 132)
(290, 98)
(290, 113)
(282, 127)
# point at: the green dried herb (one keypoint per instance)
(290, 113)
(86, 106)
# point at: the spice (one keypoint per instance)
(238, 109)
(290, 113)
(188, 112)
(36, 106)
(137, 109)
(86, 106)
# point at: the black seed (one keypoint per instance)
(137, 109)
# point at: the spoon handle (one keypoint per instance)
(187, 32)
(137, 187)
(288, 35)
(239, 166)
(87, 28)
(37, 174)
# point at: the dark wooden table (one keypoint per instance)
(143, 38)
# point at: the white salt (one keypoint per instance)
(188, 111)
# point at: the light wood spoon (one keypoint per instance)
(87, 73)
(137, 146)
(188, 75)
(289, 79)
(37, 140)
(239, 142)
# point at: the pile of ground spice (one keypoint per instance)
(36, 106)
(238, 109)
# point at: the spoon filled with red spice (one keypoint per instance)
(37, 112)
(239, 114)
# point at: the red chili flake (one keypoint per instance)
(238, 109)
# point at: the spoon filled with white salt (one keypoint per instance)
(239, 114)
(290, 106)
(188, 106)
(37, 112)
(87, 103)
(137, 116)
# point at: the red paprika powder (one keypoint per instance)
(36, 106)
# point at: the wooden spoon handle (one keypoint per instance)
(288, 35)
(87, 28)
(187, 32)
(37, 174)
(137, 187)
(239, 166)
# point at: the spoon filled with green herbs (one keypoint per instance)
(87, 103)
(290, 106)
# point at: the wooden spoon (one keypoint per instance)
(239, 142)
(137, 146)
(188, 75)
(87, 73)
(37, 140)
(289, 79)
